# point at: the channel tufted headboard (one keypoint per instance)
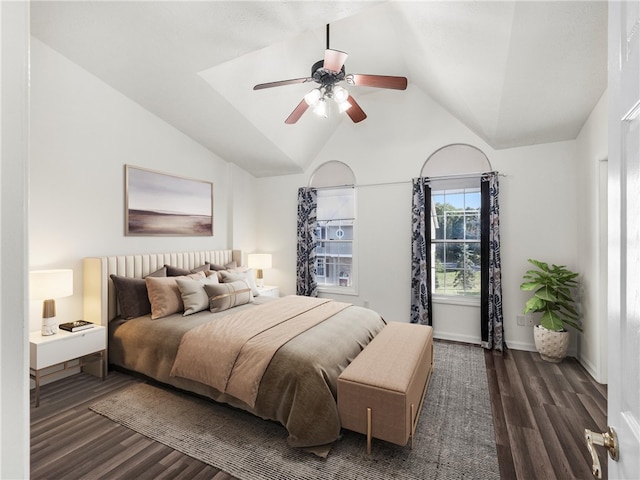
(100, 305)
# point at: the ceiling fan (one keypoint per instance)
(328, 73)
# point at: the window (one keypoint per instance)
(334, 250)
(455, 221)
(336, 231)
(455, 246)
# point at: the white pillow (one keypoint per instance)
(229, 276)
(193, 294)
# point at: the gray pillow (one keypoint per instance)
(193, 294)
(227, 266)
(235, 275)
(223, 296)
(178, 272)
(132, 295)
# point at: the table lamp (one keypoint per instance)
(47, 285)
(259, 261)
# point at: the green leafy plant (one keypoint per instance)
(551, 287)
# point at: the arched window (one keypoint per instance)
(336, 231)
(455, 219)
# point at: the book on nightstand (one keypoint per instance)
(76, 326)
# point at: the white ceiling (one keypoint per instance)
(516, 73)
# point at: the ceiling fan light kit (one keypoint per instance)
(328, 73)
(321, 108)
(318, 97)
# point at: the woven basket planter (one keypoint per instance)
(552, 346)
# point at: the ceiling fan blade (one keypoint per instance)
(334, 59)
(297, 112)
(355, 112)
(282, 82)
(379, 81)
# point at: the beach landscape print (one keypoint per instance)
(163, 204)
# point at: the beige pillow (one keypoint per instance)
(164, 294)
(237, 274)
(223, 296)
(194, 297)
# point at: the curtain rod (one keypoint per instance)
(400, 182)
(465, 175)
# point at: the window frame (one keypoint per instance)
(331, 175)
(439, 188)
(351, 289)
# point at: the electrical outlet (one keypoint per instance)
(520, 320)
(528, 320)
(366, 304)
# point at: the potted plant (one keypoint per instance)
(552, 296)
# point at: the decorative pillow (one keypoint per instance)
(227, 266)
(179, 272)
(176, 271)
(164, 294)
(161, 272)
(223, 296)
(237, 274)
(132, 294)
(194, 297)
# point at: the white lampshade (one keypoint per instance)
(321, 108)
(48, 285)
(259, 261)
(313, 97)
(340, 94)
(45, 284)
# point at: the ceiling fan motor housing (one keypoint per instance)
(326, 77)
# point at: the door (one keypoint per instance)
(624, 237)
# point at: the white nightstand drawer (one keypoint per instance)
(64, 346)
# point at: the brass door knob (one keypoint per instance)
(609, 440)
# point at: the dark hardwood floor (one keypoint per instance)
(540, 412)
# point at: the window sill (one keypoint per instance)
(338, 290)
(454, 300)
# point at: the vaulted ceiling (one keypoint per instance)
(514, 72)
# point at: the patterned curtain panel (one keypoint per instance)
(420, 249)
(307, 223)
(491, 283)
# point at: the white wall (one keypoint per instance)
(537, 206)
(591, 176)
(83, 132)
(14, 377)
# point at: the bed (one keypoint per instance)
(298, 381)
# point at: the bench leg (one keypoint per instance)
(368, 430)
(413, 424)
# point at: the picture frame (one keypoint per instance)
(162, 204)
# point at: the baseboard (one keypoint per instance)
(527, 347)
(454, 337)
(590, 368)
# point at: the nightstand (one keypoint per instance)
(63, 347)
(269, 291)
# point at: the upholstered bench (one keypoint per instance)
(380, 394)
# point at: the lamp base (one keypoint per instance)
(259, 279)
(49, 326)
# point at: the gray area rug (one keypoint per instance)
(454, 439)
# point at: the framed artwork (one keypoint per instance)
(161, 204)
